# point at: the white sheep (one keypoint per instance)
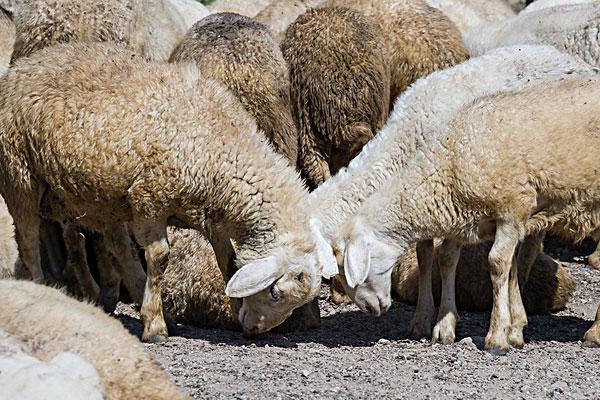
(497, 173)
(52, 323)
(420, 116)
(122, 140)
(467, 14)
(571, 29)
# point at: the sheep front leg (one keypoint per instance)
(313, 164)
(25, 211)
(110, 281)
(592, 336)
(153, 237)
(422, 321)
(77, 260)
(444, 329)
(501, 258)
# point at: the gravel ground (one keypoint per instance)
(354, 356)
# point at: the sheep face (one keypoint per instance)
(287, 279)
(366, 273)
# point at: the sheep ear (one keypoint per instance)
(357, 260)
(325, 255)
(254, 277)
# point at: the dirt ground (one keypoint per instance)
(354, 356)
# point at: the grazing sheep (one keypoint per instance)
(541, 4)
(244, 7)
(243, 55)
(497, 173)
(592, 336)
(160, 145)
(340, 87)
(7, 40)
(151, 27)
(572, 29)
(54, 323)
(467, 14)
(421, 117)
(421, 38)
(547, 290)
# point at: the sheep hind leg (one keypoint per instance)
(77, 261)
(445, 328)
(118, 242)
(529, 248)
(153, 237)
(592, 336)
(501, 259)
(26, 217)
(110, 281)
(422, 321)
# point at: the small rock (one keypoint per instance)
(383, 341)
(305, 373)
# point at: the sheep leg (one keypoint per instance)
(27, 220)
(128, 266)
(444, 329)
(500, 259)
(110, 281)
(518, 315)
(592, 336)
(153, 237)
(594, 258)
(529, 248)
(338, 295)
(313, 164)
(77, 260)
(422, 321)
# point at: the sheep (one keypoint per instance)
(65, 376)
(244, 7)
(541, 4)
(7, 39)
(420, 116)
(421, 38)
(497, 173)
(340, 87)
(54, 323)
(160, 145)
(243, 55)
(467, 14)
(193, 288)
(547, 290)
(572, 29)
(152, 28)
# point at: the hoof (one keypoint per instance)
(444, 330)
(419, 331)
(515, 338)
(594, 261)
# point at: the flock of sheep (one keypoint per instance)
(254, 148)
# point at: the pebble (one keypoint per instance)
(383, 341)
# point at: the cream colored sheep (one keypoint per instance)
(572, 29)
(280, 14)
(243, 55)
(7, 40)
(411, 127)
(244, 7)
(340, 87)
(474, 185)
(467, 14)
(151, 27)
(52, 323)
(159, 145)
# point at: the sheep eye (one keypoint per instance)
(275, 294)
(300, 276)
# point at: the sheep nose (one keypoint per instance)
(372, 309)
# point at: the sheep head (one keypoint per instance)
(290, 277)
(366, 270)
